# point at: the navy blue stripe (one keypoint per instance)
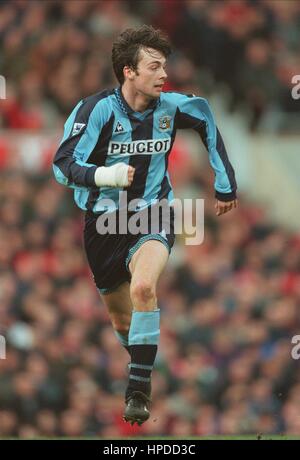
(164, 189)
(224, 157)
(186, 121)
(141, 129)
(225, 196)
(99, 153)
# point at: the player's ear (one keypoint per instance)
(128, 72)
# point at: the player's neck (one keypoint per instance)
(137, 101)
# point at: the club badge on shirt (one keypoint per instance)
(165, 123)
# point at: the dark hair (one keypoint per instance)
(125, 50)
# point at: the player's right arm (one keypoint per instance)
(81, 134)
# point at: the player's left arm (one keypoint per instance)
(195, 113)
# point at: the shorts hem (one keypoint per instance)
(141, 241)
(111, 289)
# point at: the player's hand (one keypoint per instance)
(118, 175)
(224, 206)
(130, 175)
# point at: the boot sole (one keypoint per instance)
(132, 420)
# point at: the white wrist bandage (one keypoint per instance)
(112, 176)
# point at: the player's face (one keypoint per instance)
(151, 74)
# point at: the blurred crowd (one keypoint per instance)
(230, 306)
(53, 53)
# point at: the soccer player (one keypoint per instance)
(118, 142)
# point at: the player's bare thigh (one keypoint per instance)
(146, 267)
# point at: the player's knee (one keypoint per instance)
(142, 292)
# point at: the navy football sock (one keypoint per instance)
(143, 341)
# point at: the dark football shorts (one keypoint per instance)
(110, 254)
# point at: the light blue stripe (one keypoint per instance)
(59, 176)
(171, 196)
(157, 167)
(139, 379)
(141, 366)
(156, 172)
(144, 328)
(105, 194)
(81, 198)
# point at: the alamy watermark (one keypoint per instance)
(296, 88)
(2, 87)
(2, 347)
(181, 217)
(295, 353)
